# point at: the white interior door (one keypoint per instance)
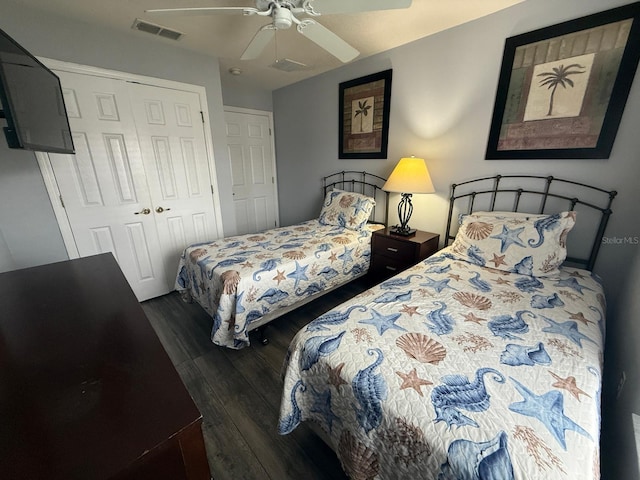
(104, 186)
(250, 148)
(171, 136)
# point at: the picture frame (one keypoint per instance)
(364, 116)
(562, 89)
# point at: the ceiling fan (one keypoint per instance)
(283, 15)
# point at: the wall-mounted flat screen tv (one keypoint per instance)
(32, 102)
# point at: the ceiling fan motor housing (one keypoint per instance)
(282, 18)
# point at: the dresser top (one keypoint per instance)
(86, 387)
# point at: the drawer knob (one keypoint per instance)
(394, 250)
(393, 269)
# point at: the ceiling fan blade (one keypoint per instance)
(353, 6)
(204, 11)
(325, 38)
(259, 42)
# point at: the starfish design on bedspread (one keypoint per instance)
(279, 277)
(411, 311)
(335, 376)
(577, 274)
(549, 409)
(579, 316)
(299, 274)
(568, 329)
(346, 256)
(470, 317)
(498, 260)
(411, 380)
(437, 285)
(383, 322)
(509, 237)
(569, 384)
(571, 283)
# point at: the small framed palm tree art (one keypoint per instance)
(364, 116)
(562, 89)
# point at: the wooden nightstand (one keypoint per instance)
(390, 254)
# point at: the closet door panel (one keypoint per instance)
(174, 152)
(104, 185)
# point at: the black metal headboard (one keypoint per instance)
(360, 182)
(536, 194)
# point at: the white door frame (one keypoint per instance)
(45, 163)
(269, 115)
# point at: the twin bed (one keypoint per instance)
(482, 362)
(246, 281)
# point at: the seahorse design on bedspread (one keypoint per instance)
(398, 282)
(441, 322)
(331, 318)
(506, 326)
(291, 421)
(457, 392)
(266, 266)
(370, 390)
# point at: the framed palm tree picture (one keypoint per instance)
(562, 89)
(364, 116)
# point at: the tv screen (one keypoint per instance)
(32, 102)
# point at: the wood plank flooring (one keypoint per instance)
(238, 391)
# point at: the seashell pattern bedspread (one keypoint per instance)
(451, 371)
(238, 280)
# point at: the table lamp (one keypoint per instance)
(410, 176)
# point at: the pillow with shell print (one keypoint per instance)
(514, 242)
(346, 209)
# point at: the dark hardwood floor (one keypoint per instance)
(238, 391)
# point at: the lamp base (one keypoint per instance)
(398, 230)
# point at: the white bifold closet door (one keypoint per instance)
(139, 184)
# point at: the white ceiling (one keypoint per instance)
(226, 36)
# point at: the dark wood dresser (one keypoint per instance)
(86, 389)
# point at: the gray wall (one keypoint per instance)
(30, 232)
(442, 98)
(236, 93)
(622, 343)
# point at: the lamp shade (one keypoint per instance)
(409, 176)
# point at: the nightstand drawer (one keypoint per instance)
(383, 266)
(398, 250)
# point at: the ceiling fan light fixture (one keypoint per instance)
(282, 18)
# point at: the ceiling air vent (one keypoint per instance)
(154, 29)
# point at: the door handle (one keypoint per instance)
(160, 209)
(144, 211)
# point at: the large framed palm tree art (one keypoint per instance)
(364, 116)
(562, 89)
